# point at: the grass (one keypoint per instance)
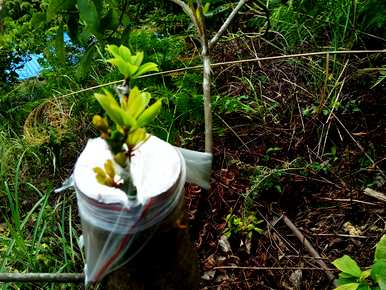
(37, 229)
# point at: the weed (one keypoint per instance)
(352, 277)
(247, 225)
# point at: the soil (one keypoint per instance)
(327, 204)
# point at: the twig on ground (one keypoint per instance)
(309, 247)
(376, 194)
(348, 200)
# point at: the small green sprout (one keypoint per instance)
(129, 64)
(129, 116)
(352, 277)
(247, 225)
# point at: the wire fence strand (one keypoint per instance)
(242, 61)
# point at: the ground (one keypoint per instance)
(312, 168)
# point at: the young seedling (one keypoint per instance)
(352, 277)
(129, 117)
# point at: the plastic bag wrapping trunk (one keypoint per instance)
(115, 230)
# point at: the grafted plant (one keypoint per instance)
(124, 129)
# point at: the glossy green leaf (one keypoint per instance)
(145, 68)
(113, 49)
(125, 53)
(125, 68)
(137, 102)
(365, 274)
(110, 105)
(350, 286)
(136, 137)
(137, 58)
(121, 65)
(380, 250)
(378, 274)
(150, 113)
(347, 265)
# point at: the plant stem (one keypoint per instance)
(226, 23)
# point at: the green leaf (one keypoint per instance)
(345, 275)
(110, 105)
(342, 281)
(85, 63)
(137, 102)
(350, 286)
(88, 13)
(125, 68)
(59, 44)
(113, 49)
(378, 274)
(145, 68)
(365, 275)
(150, 113)
(55, 6)
(136, 137)
(380, 250)
(125, 53)
(364, 286)
(121, 65)
(109, 168)
(347, 265)
(137, 58)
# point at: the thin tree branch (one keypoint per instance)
(42, 277)
(226, 23)
(185, 7)
(308, 246)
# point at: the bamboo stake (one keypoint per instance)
(42, 277)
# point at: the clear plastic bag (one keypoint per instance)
(115, 232)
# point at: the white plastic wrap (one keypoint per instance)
(116, 229)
